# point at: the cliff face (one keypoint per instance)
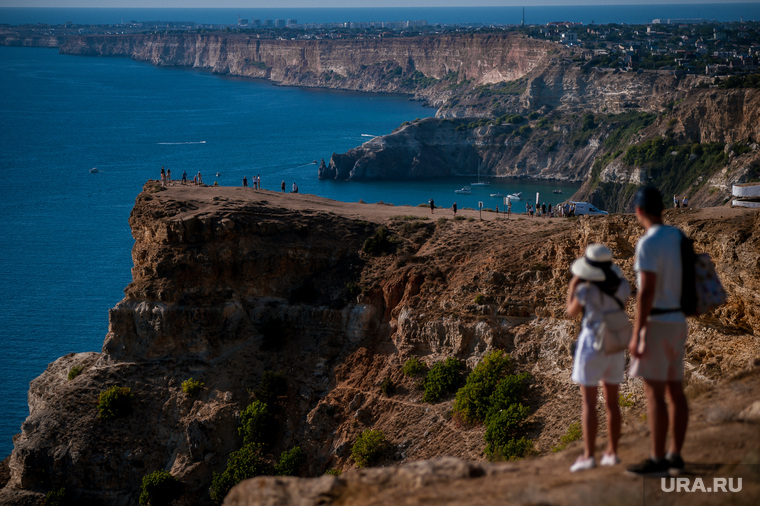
(378, 65)
(228, 284)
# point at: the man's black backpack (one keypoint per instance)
(701, 289)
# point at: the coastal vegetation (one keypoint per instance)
(443, 378)
(159, 488)
(368, 447)
(192, 387)
(75, 371)
(116, 402)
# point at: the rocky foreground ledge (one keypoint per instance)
(230, 283)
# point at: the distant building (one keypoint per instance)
(279, 23)
(242, 22)
(682, 21)
(292, 22)
(569, 37)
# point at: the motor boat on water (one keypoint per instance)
(465, 190)
(497, 195)
(94, 170)
(515, 196)
(557, 191)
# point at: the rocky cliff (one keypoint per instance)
(399, 64)
(231, 284)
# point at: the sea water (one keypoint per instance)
(65, 242)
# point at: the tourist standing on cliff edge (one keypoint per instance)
(659, 335)
(597, 287)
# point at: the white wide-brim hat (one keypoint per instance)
(585, 267)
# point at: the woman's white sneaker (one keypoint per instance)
(582, 464)
(609, 459)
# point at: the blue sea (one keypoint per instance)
(586, 14)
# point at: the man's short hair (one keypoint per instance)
(649, 199)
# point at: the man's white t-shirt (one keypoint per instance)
(659, 251)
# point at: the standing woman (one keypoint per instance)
(597, 287)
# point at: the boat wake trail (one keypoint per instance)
(180, 143)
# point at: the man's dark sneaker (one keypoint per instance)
(675, 465)
(649, 467)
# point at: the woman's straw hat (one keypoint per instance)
(589, 267)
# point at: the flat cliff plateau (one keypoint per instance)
(231, 284)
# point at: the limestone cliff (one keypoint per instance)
(231, 283)
(398, 64)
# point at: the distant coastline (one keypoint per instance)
(596, 14)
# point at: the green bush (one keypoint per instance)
(256, 424)
(514, 449)
(414, 367)
(379, 243)
(480, 299)
(55, 498)
(159, 488)
(574, 433)
(503, 427)
(272, 386)
(368, 447)
(333, 472)
(245, 463)
(387, 387)
(192, 387)
(290, 462)
(75, 371)
(115, 402)
(474, 399)
(444, 378)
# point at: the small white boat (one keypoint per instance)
(497, 195)
(94, 170)
(465, 190)
(515, 196)
(556, 191)
(481, 183)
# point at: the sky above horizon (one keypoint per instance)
(249, 4)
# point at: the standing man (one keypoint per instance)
(245, 182)
(432, 206)
(659, 335)
(454, 207)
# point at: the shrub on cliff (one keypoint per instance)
(272, 386)
(55, 498)
(256, 424)
(245, 463)
(115, 402)
(368, 447)
(379, 243)
(159, 488)
(474, 399)
(75, 371)
(494, 396)
(444, 378)
(413, 367)
(192, 387)
(290, 462)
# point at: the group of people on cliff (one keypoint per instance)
(656, 343)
